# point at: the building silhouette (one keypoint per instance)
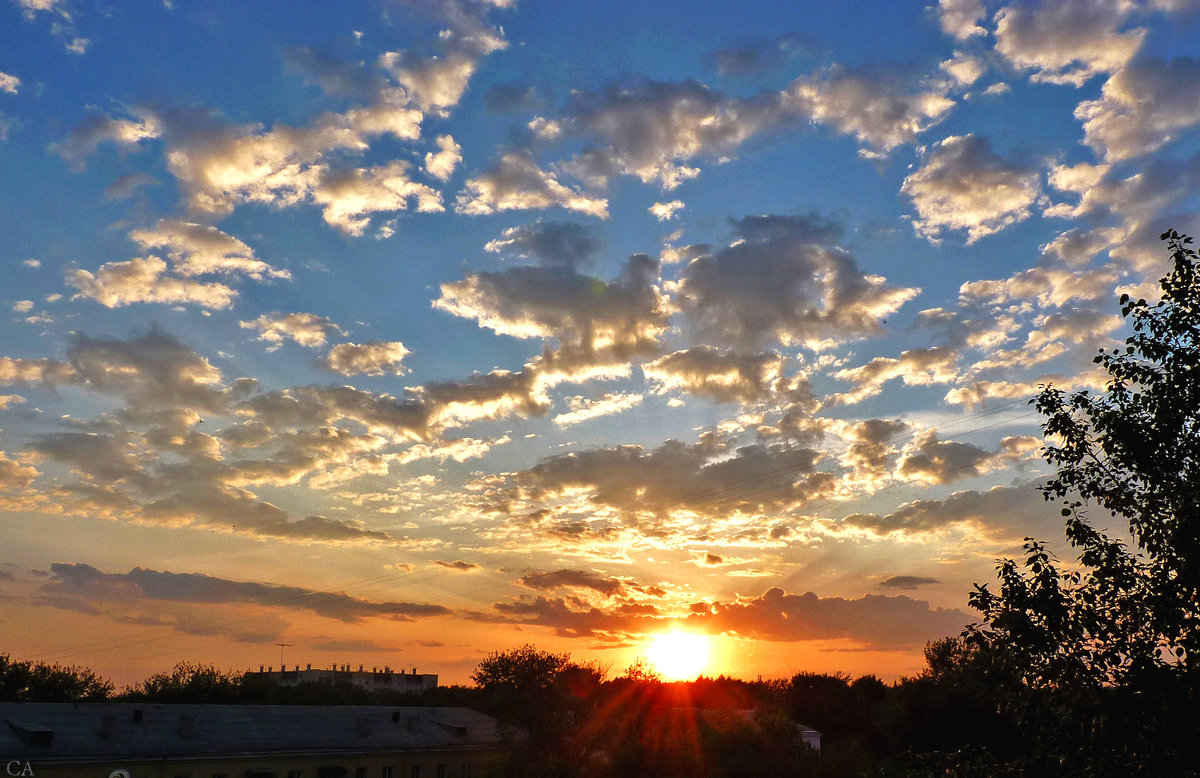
(135, 740)
(377, 679)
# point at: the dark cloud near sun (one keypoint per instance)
(457, 565)
(548, 580)
(874, 621)
(89, 585)
(907, 582)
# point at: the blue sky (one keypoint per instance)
(408, 331)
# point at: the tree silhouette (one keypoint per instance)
(1111, 643)
(189, 683)
(22, 681)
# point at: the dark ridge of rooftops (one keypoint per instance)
(54, 731)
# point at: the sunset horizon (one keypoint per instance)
(397, 334)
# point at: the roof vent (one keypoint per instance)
(137, 715)
(395, 717)
(459, 730)
(33, 734)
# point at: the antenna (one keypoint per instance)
(281, 647)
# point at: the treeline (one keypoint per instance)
(574, 720)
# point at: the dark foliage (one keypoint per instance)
(34, 681)
(1104, 654)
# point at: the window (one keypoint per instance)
(360, 772)
(416, 771)
(387, 772)
(441, 771)
(293, 774)
(466, 770)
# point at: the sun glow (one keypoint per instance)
(679, 656)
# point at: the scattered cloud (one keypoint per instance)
(624, 316)
(758, 56)
(145, 280)
(583, 409)
(960, 18)
(1067, 41)
(727, 376)
(1142, 107)
(881, 113)
(666, 211)
(1015, 510)
(198, 249)
(372, 358)
(907, 582)
(549, 580)
(550, 243)
(929, 460)
(515, 182)
(13, 474)
(707, 478)
(98, 129)
(783, 279)
(307, 329)
(916, 367)
(964, 185)
(86, 583)
(441, 163)
(876, 621)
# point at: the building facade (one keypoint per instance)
(377, 679)
(132, 740)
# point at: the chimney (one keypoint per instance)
(260, 668)
(308, 666)
(360, 668)
(414, 671)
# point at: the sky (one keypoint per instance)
(405, 332)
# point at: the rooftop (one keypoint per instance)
(77, 732)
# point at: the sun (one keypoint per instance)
(679, 656)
